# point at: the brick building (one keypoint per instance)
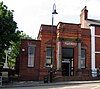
(72, 50)
(28, 62)
(94, 26)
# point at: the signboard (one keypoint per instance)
(66, 61)
(5, 74)
(69, 43)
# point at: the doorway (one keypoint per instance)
(67, 61)
(65, 69)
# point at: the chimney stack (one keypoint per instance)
(83, 16)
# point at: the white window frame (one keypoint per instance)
(48, 58)
(31, 56)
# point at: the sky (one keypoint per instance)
(30, 14)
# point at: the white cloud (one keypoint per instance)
(30, 14)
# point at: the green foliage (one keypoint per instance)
(8, 31)
(14, 50)
(9, 36)
(24, 35)
(7, 27)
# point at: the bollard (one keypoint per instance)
(46, 79)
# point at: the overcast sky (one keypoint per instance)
(30, 14)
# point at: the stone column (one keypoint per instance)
(58, 55)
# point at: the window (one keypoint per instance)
(83, 53)
(31, 52)
(67, 52)
(48, 55)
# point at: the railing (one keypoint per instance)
(0, 80)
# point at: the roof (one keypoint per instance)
(97, 21)
(68, 23)
(94, 25)
(93, 22)
(47, 27)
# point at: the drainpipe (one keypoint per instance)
(94, 71)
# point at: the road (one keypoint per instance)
(77, 86)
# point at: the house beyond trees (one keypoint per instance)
(70, 50)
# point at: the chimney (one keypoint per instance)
(83, 15)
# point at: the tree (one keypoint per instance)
(14, 50)
(8, 32)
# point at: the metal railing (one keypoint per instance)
(0, 80)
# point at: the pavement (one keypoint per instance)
(41, 83)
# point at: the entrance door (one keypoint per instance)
(67, 61)
(65, 69)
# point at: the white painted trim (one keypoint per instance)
(31, 56)
(97, 36)
(93, 50)
(97, 52)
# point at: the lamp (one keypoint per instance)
(53, 13)
(54, 9)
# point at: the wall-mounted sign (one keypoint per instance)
(66, 61)
(69, 43)
(5, 74)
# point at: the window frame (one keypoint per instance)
(31, 57)
(49, 57)
(83, 59)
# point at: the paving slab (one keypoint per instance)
(41, 83)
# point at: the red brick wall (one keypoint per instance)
(25, 72)
(63, 33)
(70, 31)
(73, 31)
(86, 41)
(97, 46)
(97, 60)
(46, 42)
(97, 30)
(97, 41)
